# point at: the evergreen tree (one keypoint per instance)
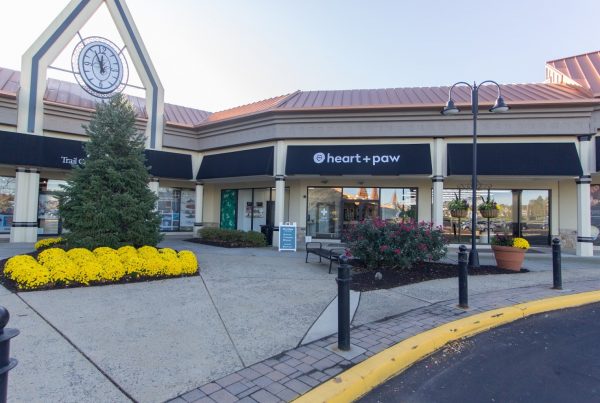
(107, 202)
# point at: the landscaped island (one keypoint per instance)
(55, 267)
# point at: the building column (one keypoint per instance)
(279, 206)
(439, 170)
(153, 185)
(25, 223)
(198, 207)
(437, 213)
(585, 242)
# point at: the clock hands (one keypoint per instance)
(101, 62)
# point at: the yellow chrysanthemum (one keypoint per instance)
(520, 243)
(44, 243)
(62, 269)
(26, 272)
(189, 262)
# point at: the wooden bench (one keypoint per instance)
(316, 248)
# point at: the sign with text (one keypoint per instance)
(54, 152)
(287, 236)
(370, 159)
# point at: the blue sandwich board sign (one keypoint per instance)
(287, 236)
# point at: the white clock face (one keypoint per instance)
(100, 68)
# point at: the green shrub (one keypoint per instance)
(233, 237)
(379, 243)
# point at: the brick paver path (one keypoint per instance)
(286, 376)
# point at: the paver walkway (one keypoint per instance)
(294, 372)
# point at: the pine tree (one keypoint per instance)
(107, 202)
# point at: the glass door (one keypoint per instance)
(534, 217)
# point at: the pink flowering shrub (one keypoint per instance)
(380, 243)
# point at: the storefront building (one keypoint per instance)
(322, 159)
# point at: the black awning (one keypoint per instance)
(368, 159)
(515, 159)
(39, 151)
(169, 165)
(54, 152)
(254, 162)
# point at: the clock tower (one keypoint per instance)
(97, 64)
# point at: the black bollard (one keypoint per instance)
(556, 265)
(6, 363)
(343, 279)
(463, 292)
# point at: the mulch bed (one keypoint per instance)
(222, 244)
(12, 286)
(364, 279)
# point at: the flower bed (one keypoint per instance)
(57, 268)
(377, 243)
(231, 238)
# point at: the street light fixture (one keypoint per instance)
(451, 109)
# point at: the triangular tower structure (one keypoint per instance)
(53, 41)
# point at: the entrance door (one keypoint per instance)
(229, 208)
(534, 216)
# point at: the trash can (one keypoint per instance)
(268, 231)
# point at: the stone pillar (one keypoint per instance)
(198, 209)
(585, 242)
(279, 206)
(25, 223)
(437, 213)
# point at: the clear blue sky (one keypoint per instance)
(218, 54)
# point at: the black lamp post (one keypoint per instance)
(451, 109)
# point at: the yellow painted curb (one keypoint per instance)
(363, 377)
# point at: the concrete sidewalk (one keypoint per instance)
(154, 341)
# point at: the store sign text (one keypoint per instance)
(328, 158)
(72, 160)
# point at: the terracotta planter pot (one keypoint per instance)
(459, 213)
(509, 258)
(489, 213)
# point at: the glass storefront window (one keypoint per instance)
(399, 204)
(169, 205)
(523, 213)
(7, 203)
(322, 216)
(188, 210)
(259, 208)
(244, 210)
(356, 205)
(595, 208)
(177, 209)
(48, 213)
(535, 213)
(250, 209)
(361, 193)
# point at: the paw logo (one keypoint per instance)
(319, 158)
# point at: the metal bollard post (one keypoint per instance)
(463, 292)
(343, 279)
(6, 363)
(556, 264)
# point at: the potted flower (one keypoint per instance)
(458, 207)
(509, 252)
(489, 208)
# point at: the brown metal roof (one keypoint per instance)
(387, 98)
(514, 94)
(583, 69)
(249, 109)
(67, 93)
